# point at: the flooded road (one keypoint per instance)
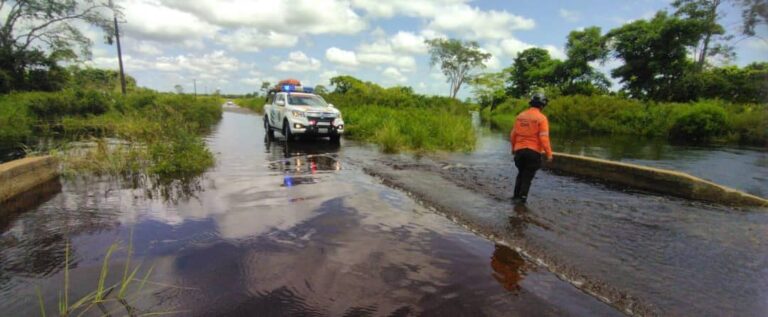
(663, 255)
(272, 230)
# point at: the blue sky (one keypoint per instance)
(234, 45)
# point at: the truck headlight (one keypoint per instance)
(298, 114)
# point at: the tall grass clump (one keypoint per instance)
(255, 104)
(162, 131)
(409, 129)
(398, 119)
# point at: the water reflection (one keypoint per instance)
(301, 162)
(508, 268)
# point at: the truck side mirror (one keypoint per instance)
(281, 102)
(331, 105)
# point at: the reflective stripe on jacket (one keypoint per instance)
(531, 131)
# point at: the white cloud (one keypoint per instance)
(298, 17)
(409, 43)
(513, 46)
(570, 16)
(757, 44)
(251, 81)
(298, 62)
(394, 74)
(253, 40)
(412, 8)
(147, 19)
(493, 63)
(475, 23)
(325, 77)
(143, 48)
(555, 51)
(381, 52)
(341, 57)
(212, 66)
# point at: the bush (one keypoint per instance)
(55, 105)
(700, 123)
(15, 121)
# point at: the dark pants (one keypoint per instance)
(528, 162)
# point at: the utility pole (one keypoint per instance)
(194, 82)
(119, 49)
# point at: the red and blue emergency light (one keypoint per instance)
(292, 85)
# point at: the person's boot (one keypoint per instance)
(518, 200)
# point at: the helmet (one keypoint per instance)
(538, 100)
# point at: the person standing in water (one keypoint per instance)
(530, 140)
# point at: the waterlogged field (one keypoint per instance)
(143, 132)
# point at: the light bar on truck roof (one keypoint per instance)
(295, 88)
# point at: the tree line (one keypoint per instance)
(669, 57)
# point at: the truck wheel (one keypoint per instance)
(270, 132)
(335, 139)
(287, 132)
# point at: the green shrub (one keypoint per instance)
(749, 125)
(700, 123)
(55, 105)
(15, 120)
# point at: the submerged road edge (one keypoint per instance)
(657, 180)
(19, 176)
(440, 195)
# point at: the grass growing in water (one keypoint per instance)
(255, 104)
(162, 131)
(409, 129)
(119, 294)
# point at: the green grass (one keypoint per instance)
(409, 128)
(115, 295)
(162, 132)
(707, 121)
(255, 104)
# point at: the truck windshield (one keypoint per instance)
(306, 100)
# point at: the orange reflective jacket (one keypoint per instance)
(531, 131)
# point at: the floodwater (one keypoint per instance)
(272, 230)
(673, 256)
(742, 168)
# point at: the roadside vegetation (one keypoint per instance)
(103, 132)
(398, 119)
(255, 104)
(708, 121)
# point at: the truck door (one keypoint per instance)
(279, 110)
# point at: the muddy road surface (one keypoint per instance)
(272, 230)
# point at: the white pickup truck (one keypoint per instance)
(301, 113)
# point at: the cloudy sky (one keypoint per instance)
(234, 45)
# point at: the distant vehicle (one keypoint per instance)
(296, 111)
(230, 103)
